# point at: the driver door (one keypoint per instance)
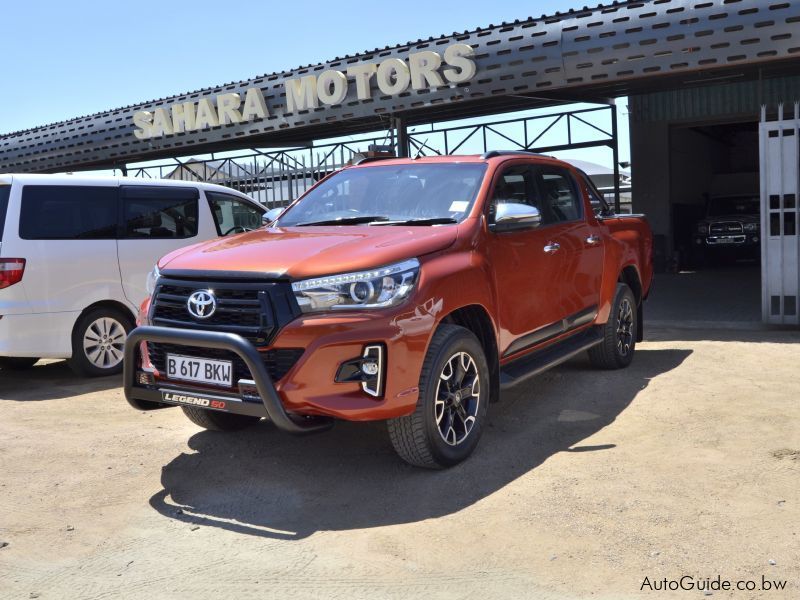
(525, 272)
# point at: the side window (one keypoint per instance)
(232, 215)
(68, 212)
(561, 200)
(159, 212)
(598, 202)
(5, 191)
(515, 184)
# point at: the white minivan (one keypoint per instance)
(75, 253)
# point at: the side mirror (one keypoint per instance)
(271, 215)
(512, 216)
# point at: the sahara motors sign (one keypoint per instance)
(393, 76)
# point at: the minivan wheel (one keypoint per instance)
(619, 333)
(98, 342)
(454, 387)
(17, 363)
(218, 421)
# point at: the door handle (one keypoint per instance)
(593, 240)
(552, 247)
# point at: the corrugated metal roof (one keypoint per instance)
(729, 100)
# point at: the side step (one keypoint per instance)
(528, 366)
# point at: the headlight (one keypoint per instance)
(377, 288)
(152, 278)
(702, 228)
(751, 227)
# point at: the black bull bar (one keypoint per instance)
(275, 411)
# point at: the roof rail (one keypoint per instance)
(368, 159)
(493, 153)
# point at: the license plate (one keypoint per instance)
(199, 370)
(726, 241)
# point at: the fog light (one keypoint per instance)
(369, 368)
(145, 378)
(755, 238)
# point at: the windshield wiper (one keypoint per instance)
(431, 221)
(345, 221)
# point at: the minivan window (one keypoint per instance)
(232, 214)
(159, 213)
(68, 212)
(5, 191)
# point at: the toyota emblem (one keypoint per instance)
(202, 304)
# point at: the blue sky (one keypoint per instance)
(68, 59)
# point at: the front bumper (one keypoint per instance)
(734, 240)
(313, 385)
(270, 407)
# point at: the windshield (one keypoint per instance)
(424, 193)
(719, 207)
(5, 190)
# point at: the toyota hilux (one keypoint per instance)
(412, 291)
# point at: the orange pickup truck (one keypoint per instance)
(407, 290)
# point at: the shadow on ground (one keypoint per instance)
(763, 335)
(50, 381)
(265, 483)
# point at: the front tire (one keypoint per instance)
(98, 342)
(454, 387)
(619, 333)
(218, 421)
(17, 363)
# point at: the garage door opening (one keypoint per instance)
(714, 272)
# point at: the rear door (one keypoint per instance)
(579, 244)
(67, 236)
(154, 221)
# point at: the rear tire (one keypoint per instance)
(98, 342)
(619, 333)
(17, 363)
(454, 389)
(218, 421)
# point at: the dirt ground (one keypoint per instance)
(585, 484)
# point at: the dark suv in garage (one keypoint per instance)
(731, 228)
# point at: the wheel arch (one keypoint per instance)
(475, 318)
(114, 304)
(630, 276)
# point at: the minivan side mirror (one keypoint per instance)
(513, 216)
(271, 215)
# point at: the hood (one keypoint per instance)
(301, 252)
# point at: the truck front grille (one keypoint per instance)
(256, 311)
(726, 228)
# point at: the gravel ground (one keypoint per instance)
(585, 484)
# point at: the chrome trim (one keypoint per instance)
(378, 391)
(593, 240)
(725, 227)
(737, 239)
(197, 302)
(552, 247)
(510, 216)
